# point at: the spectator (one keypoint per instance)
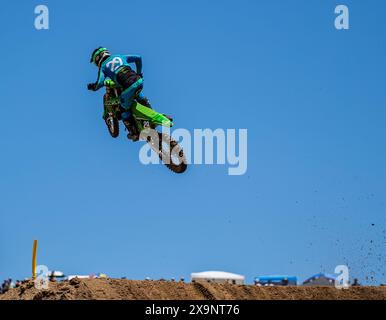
(356, 283)
(7, 284)
(52, 277)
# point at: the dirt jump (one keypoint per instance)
(118, 289)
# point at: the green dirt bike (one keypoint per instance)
(145, 121)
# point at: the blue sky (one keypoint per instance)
(313, 101)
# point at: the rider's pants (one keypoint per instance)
(127, 97)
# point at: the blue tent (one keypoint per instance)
(276, 280)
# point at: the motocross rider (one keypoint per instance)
(117, 68)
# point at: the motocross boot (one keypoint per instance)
(144, 101)
(131, 128)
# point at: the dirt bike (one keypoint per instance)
(142, 127)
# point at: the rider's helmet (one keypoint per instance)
(99, 55)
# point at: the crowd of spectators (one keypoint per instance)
(10, 284)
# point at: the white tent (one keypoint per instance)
(56, 274)
(78, 276)
(218, 277)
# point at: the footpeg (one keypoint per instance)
(133, 137)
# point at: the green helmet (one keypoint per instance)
(99, 55)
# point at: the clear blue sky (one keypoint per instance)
(312, 98)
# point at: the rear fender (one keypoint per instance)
(140, 112)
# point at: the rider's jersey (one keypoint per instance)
(111, 66)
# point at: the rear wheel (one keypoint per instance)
(170, 152)
(112, 125)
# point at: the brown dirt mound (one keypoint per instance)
(114, 289)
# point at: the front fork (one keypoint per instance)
(111, 104)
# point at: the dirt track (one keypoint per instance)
(112, 289)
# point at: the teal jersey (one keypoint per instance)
(110, 67)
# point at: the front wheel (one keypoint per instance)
(170, 152)
(112, 125)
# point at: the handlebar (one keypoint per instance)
(110, 83)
